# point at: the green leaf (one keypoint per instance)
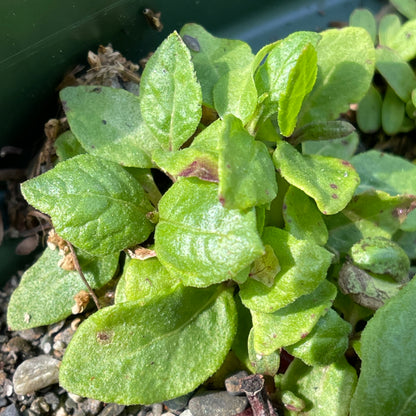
(170, 95)
(303, 267)
(262, 363)
(146, 280)
(198, 240)
(365, 19)
(388, 27)
(342, 148)
(382, 171)
(46, 292)
(300, 82)
(235, 93)
(94, 203)
(396, 71)
(292, 323)
(215, 58)
(387, 382)
(405, 7)
(322, 130)
(132, 354)
(369, 111)
(302, 218)
(266, 267)
(246, 171)
(107, 123)
(67, 146)
(330, 182)
(326, 343)
(370, 214)
(404, 40)
(381, 256)
(392, 112)
(326, 391)
(345, 70)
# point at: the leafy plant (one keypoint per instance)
(390, 102)
(246, 247)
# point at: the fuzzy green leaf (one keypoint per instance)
(387, 382)
(405, 7)
(246, 171)
(107, 123)
(326, 343)
(215, 58)
(67, 146)
(404, 40)
(370, 214)
(343, 148)
(235, 93)
(170, 95)
(302, 218)
(303, 267)
(198, 240)
(146, 280)
(262, 363)
(329, 181)
(345, 70)
(46, 292)
(132, 354)
(292, 323)
(299, 84)
(369, 111)
(326, 391)
(365, 19)
(388, 27)
(396, 71)
(382, 171)
(94, 203)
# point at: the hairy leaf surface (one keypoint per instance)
(94, 203)
(156, 352)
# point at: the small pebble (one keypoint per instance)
(53, 400)
(3, 402)
(157, 409)
(186, 412)
(61, 412)
(17, 344)
(232, 383)
(91, 406)
(7, 388)
(10, 411)
(76, 398)
(35, 374)
(218, 403)
(112, 409)
(39, 406)
(178, 404)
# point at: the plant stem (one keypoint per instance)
(79, 270)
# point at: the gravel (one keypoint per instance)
(29, 363)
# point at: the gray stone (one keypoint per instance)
(40, 406)
(112, 409)
(35, 374)
(157, 409)
(186, 412)
(91, 406)
(232, 383)
(53, 400)
(218, 403)
(179, 403)
(10, 411)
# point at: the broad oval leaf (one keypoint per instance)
(346, 61)
(215, 58)
(387, 382)
(132, 354)
(365, 19)
(94, 203)
(198, 240)
(329, 181)
(302, 218)
(303, 266)
(107, 122)
(292, 323)
(246, 172)
(326, 343)
(46, 292)
(369, 111)
(170, 95)
(392, 112)
(326, 391)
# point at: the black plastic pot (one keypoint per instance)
(41, 40)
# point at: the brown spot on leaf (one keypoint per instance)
(104, 337)
(104, 122)
(333, 186)
(334, 196)
(304, 334)
(202, 169)
(345, 163)
(96, 90)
